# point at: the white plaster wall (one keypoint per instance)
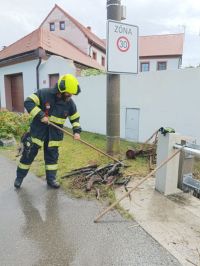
(28, 69)
(55, 65)
(172, 63)
(165, 98)
(91, 103)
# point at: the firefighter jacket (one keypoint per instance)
(45, 102)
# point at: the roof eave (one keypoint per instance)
(102, 48)
(18, 58)
(160, 56)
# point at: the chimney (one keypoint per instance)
(89, 28)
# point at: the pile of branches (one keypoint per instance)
(109, 174)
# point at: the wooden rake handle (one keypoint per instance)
(137, 185)
(86, 143)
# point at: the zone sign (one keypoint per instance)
(122, 47)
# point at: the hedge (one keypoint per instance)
(13, 124)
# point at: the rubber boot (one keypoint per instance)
(53, 183)
(18, 182)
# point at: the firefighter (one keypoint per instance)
(53, 105)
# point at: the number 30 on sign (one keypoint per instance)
(123, 44)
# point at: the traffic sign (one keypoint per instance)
(122, 48)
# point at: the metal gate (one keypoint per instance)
(132, 124)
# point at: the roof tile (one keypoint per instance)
(50, 42)
(161, 45)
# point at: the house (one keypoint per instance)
(61, 44)
(160, 52)
(34, 62)
(62, 24)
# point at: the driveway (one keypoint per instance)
(40, 226)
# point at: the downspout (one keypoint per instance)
(37, 73)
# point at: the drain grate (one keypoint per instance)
(191, 184)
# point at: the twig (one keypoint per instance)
(191, 262)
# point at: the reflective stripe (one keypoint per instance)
(55, 143)
(24, 166)
(57, 120)
(51, 167)
(37, 141)
(35, 99)
(35, 111)
(76, 115)
(75, 124)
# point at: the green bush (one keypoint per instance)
(13, 124)
(91, 72)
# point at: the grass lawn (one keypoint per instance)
(74, 154)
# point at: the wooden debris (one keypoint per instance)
(92, 180)
(89, 175)
(97, 193)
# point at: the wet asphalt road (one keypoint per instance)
(44, 227)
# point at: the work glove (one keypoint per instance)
(45, 120)
(77, 136)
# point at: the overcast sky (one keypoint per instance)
(20, 17)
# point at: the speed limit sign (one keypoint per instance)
(122, 47)
(123, 44)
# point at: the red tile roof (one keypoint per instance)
(161, 45)
(91, 36)
(50, 42)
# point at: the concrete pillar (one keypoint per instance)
(167, 176)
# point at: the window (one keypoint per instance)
(62, 25)
(94, 55)
(144, 66)
(52, 26)
(161, 65)
(103, 61)
(53, 79)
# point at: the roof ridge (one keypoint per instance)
(158, 35)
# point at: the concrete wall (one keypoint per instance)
(164, 98)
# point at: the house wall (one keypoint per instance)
(71, 33)
(164, 98)
(28, 70)
(172, 63)
(55, 64)
(92, 49)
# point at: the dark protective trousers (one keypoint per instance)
(50, 157)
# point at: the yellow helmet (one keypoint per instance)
(68, 83)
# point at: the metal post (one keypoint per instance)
(113, 92)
